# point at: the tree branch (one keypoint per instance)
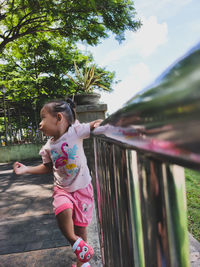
(37, 20)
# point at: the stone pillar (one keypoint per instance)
(87, 113)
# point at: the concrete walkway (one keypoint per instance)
(29, 236)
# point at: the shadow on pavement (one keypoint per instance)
(27, 221)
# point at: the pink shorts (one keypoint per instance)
(81, 201)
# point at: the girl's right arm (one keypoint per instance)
(20, 168)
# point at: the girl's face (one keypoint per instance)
(48, 124)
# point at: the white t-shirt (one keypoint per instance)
(67, 155)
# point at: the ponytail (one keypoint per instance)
(72, 106)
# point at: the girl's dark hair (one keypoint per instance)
(66, 107)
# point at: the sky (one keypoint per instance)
(170, 28)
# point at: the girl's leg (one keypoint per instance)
(82, 232)
(71, 232)
(66, 225)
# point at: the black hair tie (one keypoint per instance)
(71, 103)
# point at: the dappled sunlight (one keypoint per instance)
(6, 172)
(30, 190)
(27, 219)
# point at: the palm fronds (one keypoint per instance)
(88, 79)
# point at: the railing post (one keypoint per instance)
(163, 207)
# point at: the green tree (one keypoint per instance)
(34, 70)
(87, 20)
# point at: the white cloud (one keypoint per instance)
(142, 43)
(151, 36)
(137, 77)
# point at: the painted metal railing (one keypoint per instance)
(140, 154)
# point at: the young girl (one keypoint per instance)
(64, 155)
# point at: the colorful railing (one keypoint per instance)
(140, 154)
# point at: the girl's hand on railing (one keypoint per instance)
(95, 124)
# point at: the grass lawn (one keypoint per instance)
(192, 179)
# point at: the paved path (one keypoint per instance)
(29, 236)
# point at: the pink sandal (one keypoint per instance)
(82, 250)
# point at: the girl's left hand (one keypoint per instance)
(97, 123)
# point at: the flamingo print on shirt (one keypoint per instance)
(62, 161)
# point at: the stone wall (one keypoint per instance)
(87, 113)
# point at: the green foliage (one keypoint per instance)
(1, 126)
(89, 78)
(33, 70)
(193, 201)
(38, 47)
(87, 20)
